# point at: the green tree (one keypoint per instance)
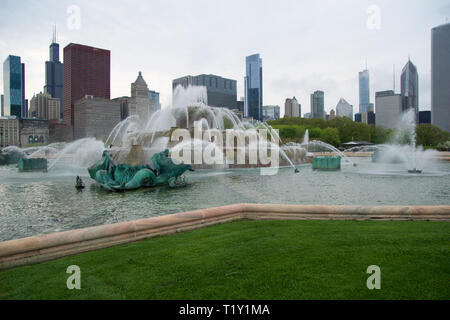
(347, 129)
(331, 136)
(315, 133)
(428, 135)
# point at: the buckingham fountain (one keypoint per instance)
(135, 141)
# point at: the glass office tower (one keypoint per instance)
(318, 105)
(364, 92)
(253, 87)
(410, 88)
(14, 87)
(154, 96)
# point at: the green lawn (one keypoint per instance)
(255, 260)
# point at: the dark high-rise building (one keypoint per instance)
(86, 72)
(424, 117)
(410, 88)
(221, 92)
(358, 117)
(240, 105)
(14, 87)
(440, 76)
(368, 117)
(54, 73)
(253, 87)
(318, 105)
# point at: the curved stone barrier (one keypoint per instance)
(314, 212)
(55, 245)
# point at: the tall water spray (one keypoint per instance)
(403, 146)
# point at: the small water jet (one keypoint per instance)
(81, 153)
(403, 149)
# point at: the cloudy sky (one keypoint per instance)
(305, 45)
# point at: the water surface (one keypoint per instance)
(37, 203)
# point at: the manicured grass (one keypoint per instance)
(255, 260)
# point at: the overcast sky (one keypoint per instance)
(305, 45)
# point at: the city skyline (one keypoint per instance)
(331, 65)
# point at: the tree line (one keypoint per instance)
(341, 130)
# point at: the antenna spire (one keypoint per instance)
(54, 34)
(393, 78)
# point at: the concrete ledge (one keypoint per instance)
(41, 248)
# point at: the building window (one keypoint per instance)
(30, 139)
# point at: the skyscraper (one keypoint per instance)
(410, 88)
(271, 113)
(240, 105)
(140, 103)
(54, 73)
(154, 96)
(317, 105)
(389, 109)
(221, 92)
(43, 106)
(440, 76)
(344, 109)
(253, 87)
(14, 87)
(291, 108)
(86, 72)
(425, 116)
(364, 92)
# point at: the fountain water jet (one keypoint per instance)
(83, 152)
(404, 149)
(189, 109)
